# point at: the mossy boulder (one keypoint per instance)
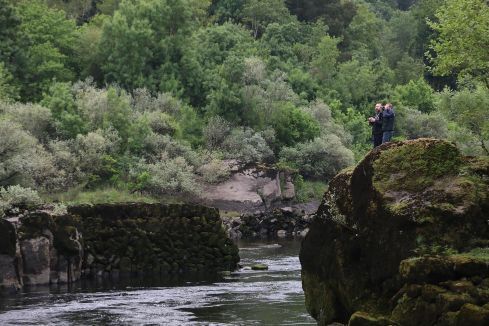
(410, 213)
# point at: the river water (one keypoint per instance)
(246, 297)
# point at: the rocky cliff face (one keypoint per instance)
(106, 240)
(402, 239)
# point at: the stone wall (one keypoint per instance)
(279, 222)
(109, 239)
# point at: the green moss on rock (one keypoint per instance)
(397, 235)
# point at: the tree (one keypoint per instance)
(323, 64)
(260, 13)
(144, 43)
(469, 109)
(292, 125)
(9, 34)
(463, 39)
(60, 100)
(416, 95)
(7, 90)
(47, 42)
(225, 10)
(337, 14)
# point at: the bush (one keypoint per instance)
(14, 196)
(321, 158)
(247, 146)
(23, 161)
(215, 171)
(293, 125)
(35, 119)
(168, 176)
(413, 124)
(416, 95)
(216, 131)
(307, 190)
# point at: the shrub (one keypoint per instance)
(215, 171)
(35, 119)
(321, 158)
(168, 177)
(293, 125)
(247, 146)
(216, 131)
(16, 195)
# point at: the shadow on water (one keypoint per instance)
(245, 297)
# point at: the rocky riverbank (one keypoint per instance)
(279, 222)
(105, 240)
(402, 239)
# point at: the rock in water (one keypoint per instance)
(259, 267)
(402, 238)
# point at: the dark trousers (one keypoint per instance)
(387, 136)
(377, 139)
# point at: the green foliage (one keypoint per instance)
(260, 13)
(324, 61)
(461, 45)
(336, 13)
(321, 158)
(100, 196)
(293, 125)
(306, 190)
(47, 40)
(168, 177)
(469, 109)
(413, 124)
(59, 99)
(247, 146)
(167, 89)
(9, 35)
(141, 49)
(14, 196)
(225, 10)
(417, 95)
(7, 90)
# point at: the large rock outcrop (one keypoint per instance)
(107, 240)
(402, 239)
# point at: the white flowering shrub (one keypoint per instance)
(16, 195)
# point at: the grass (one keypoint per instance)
(478, 253)
(307, 190)
(98, 196)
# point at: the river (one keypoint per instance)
(245, 297)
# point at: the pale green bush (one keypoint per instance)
(247, 146)
(216, 131)
(214, 171)
(168, 176)
(33, 118)
(16, 195)
(321, 158)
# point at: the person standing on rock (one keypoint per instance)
(376, 123)
(388, 117)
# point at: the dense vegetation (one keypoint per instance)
(152, 96)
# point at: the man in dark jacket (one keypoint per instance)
(376, 123)
(388, 117)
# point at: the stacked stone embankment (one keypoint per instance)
(402, 239)
(110, 239)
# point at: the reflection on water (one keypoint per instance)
(247, 297)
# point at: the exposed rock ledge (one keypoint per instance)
(102, 240)
(402, 239)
